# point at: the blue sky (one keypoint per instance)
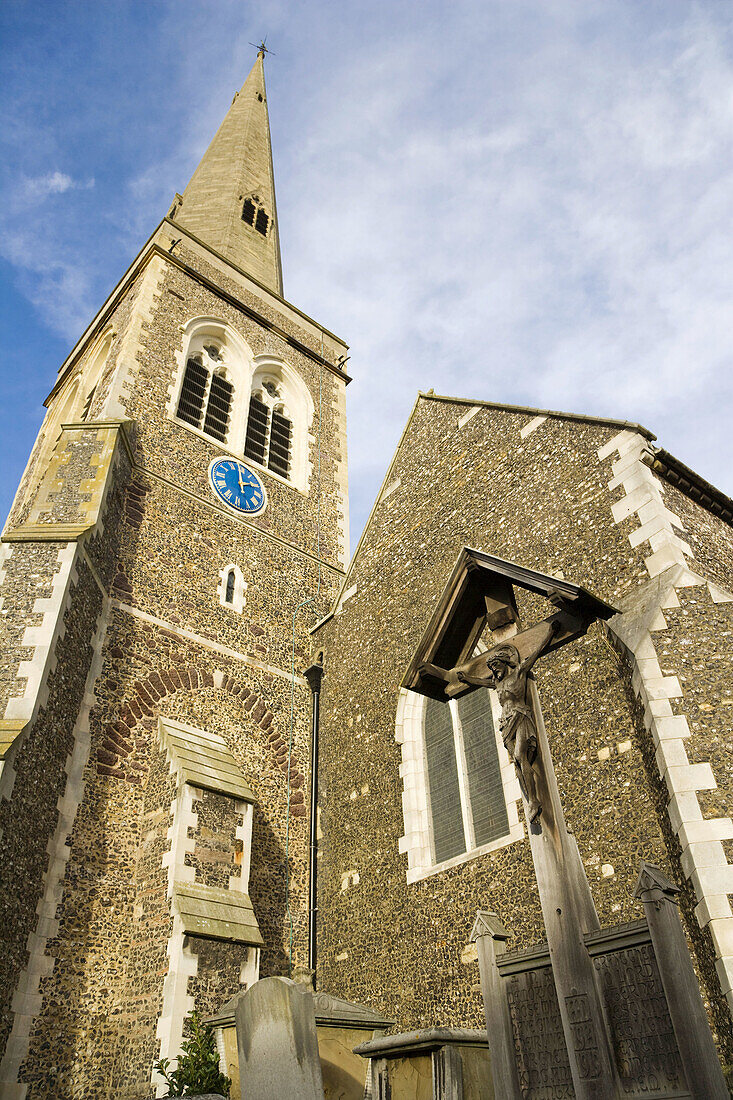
(527, 201)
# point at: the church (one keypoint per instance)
(213, 770)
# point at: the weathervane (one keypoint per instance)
(261, 47)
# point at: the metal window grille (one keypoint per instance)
(193, 391)
(258, 422)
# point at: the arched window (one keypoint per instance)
(229, 592)
(460, 785)
(205, 400)
(467, 807)
(269, 428)
(256, 406)
(232, 588)
(279, 417)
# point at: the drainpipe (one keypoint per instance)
(314, 675)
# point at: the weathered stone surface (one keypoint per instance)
(277, 1041)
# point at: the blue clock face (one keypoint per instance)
(236, 486)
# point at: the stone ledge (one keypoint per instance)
(10, 731)
(47, 532)
(216, 914)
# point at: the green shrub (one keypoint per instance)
(198, 1064)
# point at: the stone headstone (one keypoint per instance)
(277, 1041)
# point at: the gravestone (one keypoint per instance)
(277, 1042)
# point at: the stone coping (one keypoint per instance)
(203, 760)
(216, 914)
(330, 1012)
(421, 1042)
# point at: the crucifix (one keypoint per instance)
(480, 597)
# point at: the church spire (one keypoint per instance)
(229, 202)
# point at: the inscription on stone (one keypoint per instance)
(644, 1042)
(542, 1059)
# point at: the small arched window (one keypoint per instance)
(232, 588)
(205, 400)
(229, 591)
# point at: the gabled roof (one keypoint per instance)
(529, 410)
(661, 461)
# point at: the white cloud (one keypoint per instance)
(526, 202)
(37, 188)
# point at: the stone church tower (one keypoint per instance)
(181, 524)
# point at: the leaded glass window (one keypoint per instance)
(466, 795)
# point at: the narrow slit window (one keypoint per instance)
(248, 212)
(229, 593)
(193, 391)
(258, 422)
(261, 222)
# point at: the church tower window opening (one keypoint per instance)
(206, 396)
(257, 407)
(269, 429)
(232, 588)
(255, 215)
(229, 593)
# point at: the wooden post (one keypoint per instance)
(569, 912)
(490, 937)
(695, 1042)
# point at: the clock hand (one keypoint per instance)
(239, 475)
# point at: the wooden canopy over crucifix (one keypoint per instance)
(480, 594)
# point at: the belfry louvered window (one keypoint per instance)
(253, 214)
(269, 431)
(466, 794)
(258, 423)
(280, 438)
(206, 394)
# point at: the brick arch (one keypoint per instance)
(115, 754)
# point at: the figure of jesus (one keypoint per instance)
(503, 669)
